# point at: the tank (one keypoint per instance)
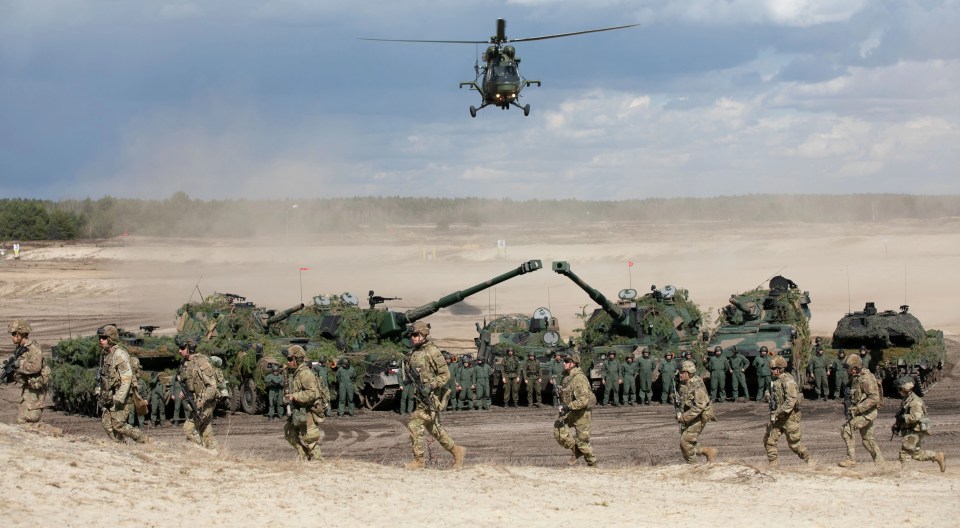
(663, 319)
(897, 341)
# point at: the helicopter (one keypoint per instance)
(499, 81)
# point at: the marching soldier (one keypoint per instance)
(576, 400)
(308, 398)
(694, 413)
(864, 399)
(115, 388)
(427, 361)
(511, 379)
(197, 377)
(912, 425)
(531, 375)
(33, 375)
(761, 365)
(785, 414)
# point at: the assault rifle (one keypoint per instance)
(773, 400)
(847, 403)
(899, 424)
(10, 365)
(98, 382)
(561, 409)
(289, 390)
(677, 406)
(412, 376)
(188, 398)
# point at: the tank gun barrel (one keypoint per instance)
(284, 314)
(395, 322)
(617, 313)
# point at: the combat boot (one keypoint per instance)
(710, 453)
(576, 454)
(878, 459)
(416, 463)
(848, 463)
(773, 464)
(941, 460)
(458, 453)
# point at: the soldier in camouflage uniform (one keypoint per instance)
(818, 369)
(115, 388)
(668, 371)
(645, 366)
(346, 377)
(785, 414)
(427, 361)
(576, 399)
(761, 366)
(611, 376)
(738, 374)
(841, 379)
(33, 375)
(864, 399)
(484, 372)
(912, 424)
(197, 377)
(275, 401)
(454, 367)
(694, 413)
(556, 372)
(629, 368)
(511, 379)
(308, 398)
(718, 367)
(158, 400)
(531, 376)
(466, 386)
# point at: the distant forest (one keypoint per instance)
(181, 216)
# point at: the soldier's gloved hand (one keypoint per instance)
(425, 391)
(96, 392)
(564, 409)
(773, 418)
(115, 404)
(679, 417)
(854, 412)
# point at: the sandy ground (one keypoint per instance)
(515, 472)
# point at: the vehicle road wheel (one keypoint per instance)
(372, 398)
(235, 397)
(249, 399)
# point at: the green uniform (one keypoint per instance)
(668, 377)
(116, 397)
(645, 366)
(466, 387)
(531, 376)
(158, 400)
(818, 368)
(556, 373)
(577, 398)
(511, 380)
(454, 369)
(695, 411)
(738, 378)
(841, 379)
(345, 380)
(761, 365)
(913, 429)
(629, 368)
(718, 367)
(612, 375)
(428, 361)
(483, 385)
(275, 402)
(864, 398)
(179, 409)
(197, 376)
(867, 361)
(309, 398)
(785, 418)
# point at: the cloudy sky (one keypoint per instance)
(279, 99)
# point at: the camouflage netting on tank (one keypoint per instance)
(879, 331)
(510, 323)
(73, 374)
(659, 324)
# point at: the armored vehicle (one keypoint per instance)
(664, 319)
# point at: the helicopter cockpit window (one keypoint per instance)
(509, 72)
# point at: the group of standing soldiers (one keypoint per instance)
(340, 375)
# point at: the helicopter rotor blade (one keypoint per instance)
(544, 37)
(427, 41)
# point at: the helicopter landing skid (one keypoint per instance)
(525, 108)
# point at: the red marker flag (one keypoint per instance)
(629, 263)
(308, 269)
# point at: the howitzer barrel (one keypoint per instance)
(563, 268)
(284, 314)
(395, 322)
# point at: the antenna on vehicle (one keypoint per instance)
(196, 288)
(849, 309)
(767, 280)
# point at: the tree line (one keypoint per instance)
(182, 216)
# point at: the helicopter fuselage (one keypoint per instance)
(501, 83)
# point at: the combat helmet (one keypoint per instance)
(853, 360)
(905, 383)
(420, 328)
(296, 353)
(778, 362)
(110, 332)
(688, 367)
(573, 356)
(763, 349)
(216, 361)
(19, 326)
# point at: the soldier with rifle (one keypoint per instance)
(198, 385)
(785, 398)
(861, 411)
(427, 370)
(913, 425)
(693, 413)
(576, 400)
(28, 368)
(307, 398)
(114, 391)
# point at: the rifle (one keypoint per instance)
(289, 390)
(898, 424)
(847, 403)
(677, 406)
(98, 381)
(561, 410)
(188, 398)
(773, 400)
(411, 375)
(10, 365)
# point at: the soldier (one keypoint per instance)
(510, 370)
(483, 383)
(308, 398)
(866, 358)
(114, 391)
(333, 385)
(556, 372)
(576, 399)
(138, 384)
(761, 365)
(454, 367)
(427, 361)
(667, 370)
(912, 424)
(407, 401)
(466, 386)
(841, 380)
(176, 396)
(531, 376)
(818, 369)
(738, 374)
(197, 377)
(322, 371)
(864, 398)
(275, 400)
(611, 376)
(33, 375)
(158, 400)
(629, 368)
(645, 367)
(346, 376)
(718, 367)
(694, 412)
(784, 414)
